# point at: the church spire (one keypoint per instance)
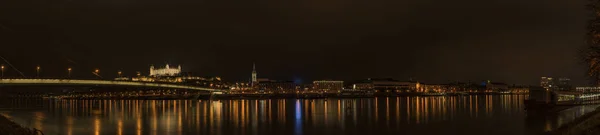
(254, 81)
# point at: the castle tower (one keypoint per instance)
(179, 69)
(151, 70)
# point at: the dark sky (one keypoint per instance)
(434, 41)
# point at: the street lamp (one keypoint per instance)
(119, 73)
(97, 73)
(2, 70)
(37, 69)
(69, 72)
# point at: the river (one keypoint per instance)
(466, 115)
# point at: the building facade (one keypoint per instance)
(547, 82)
(388, 85)
(167, 71)
(564, 84)
(328, 86)
(435, 88)
(464, 87)
(518, 89)
(274, 86)
(587, 89)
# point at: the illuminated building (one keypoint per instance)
(388, 84)
(587, 89)
(277, 86)
(332, 86)
(546, 82)
(240, 86)
(142, 79)
(434, 87)
(465, 87)
(518, 89)
(564, 84)
(174, 75)
(167, 71)
(307, 87)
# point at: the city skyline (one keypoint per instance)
(437, 43)
(177, 71)
(299, 67)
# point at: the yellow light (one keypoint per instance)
(69, 69)
(97, 71)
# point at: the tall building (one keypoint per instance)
(254, 81)
(167, 71)
(564, 84)
(547, 82)
(332, 86)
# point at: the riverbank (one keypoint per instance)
(8, 127)
(588, 124)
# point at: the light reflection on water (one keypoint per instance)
(476, 114)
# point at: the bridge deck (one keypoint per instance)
(100, 82)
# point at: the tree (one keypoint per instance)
(591, 53)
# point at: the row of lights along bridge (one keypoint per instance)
(69, 70)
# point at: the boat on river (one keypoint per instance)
(545, 100)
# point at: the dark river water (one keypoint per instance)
(471, 115)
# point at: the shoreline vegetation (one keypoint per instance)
(8, 127)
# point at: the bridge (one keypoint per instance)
(99, 82)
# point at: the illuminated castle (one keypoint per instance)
(165, 71)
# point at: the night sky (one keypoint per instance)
(433, 41)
